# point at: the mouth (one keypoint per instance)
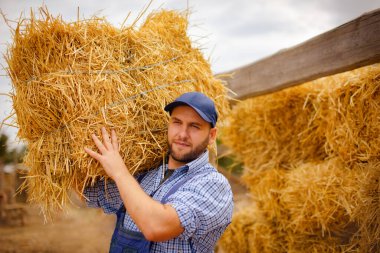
(181, 144)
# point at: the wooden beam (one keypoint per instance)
(349, 46)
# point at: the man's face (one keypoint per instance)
(188, 134)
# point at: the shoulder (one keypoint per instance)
(210, 172)
(208, 179)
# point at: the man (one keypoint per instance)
(182, 206)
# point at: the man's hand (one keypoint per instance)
(109, 156)
(158, 222)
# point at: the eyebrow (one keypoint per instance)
(196, 124)
(175, 118)
(192, 123)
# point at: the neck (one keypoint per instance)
(173, 164)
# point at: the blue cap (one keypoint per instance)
(202, 104)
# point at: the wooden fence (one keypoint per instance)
(349, 46)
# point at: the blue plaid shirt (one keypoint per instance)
(204, 204)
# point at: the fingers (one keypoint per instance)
(115, 143)
(107, 145)
(93, 154)
(106, 139)
(99, 144)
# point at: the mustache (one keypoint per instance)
(181, 141)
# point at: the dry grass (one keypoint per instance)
(250, 232)
(300, 243)
(265, 187)
(354, 131)
(321, 197)
(276, 130)
(69, 79)
(310, 208)
(331, 116)
(368, 211)
(311, 157)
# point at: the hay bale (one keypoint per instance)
(265, 188)
(311, 158)
(335, 115)
(70, 79)
(309, 208)
(354, 129)
(250, 232)
(368, 210)
(321, 198)
(311, 205)
(300, 243)
(276, 130)
(235, 238)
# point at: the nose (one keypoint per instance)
(183, 133)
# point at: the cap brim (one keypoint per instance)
(169, 108)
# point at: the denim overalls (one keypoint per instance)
(127, 241)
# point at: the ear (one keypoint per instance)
(212, 135)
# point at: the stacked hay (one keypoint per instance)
(368, 211)
(316, 194)
(355, 133)
(70, 79)
(312, 167)
(266, 187)
(310, 208)
(277, 129)
(251, 232)
(321, 199)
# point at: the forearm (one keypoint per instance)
(158, 222)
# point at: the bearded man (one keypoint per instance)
(185, 204)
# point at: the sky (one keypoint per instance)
(231, 33)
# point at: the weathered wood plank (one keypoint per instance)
(349, 46)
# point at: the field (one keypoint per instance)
(78, 230)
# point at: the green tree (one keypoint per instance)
(9, 155)
(3, 146)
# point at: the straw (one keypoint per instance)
(70, 79)
(368, 212)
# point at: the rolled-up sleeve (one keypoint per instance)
(203, 204)
(103, 194)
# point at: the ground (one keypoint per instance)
(78, 229)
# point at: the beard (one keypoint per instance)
(191, 155)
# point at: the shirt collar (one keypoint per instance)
(201, 161)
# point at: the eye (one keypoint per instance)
(195, 126)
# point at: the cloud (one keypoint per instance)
(233, 33)
(337, 12)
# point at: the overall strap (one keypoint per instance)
(125, 240)
(141, 176)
